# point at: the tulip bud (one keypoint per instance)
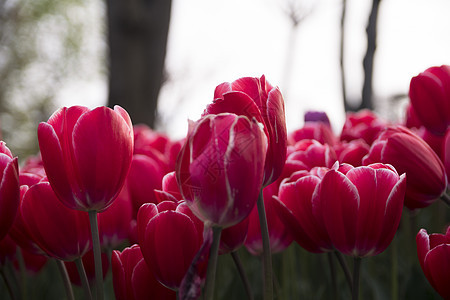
(220, 168)
(409, 154)
(257, 99)
(430, 98)
(434, 251)
(87, 154)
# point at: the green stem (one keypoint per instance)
(394, 269)
(446, 198)
(83, 278)
(97, 254)
(333, 275)
(356, 269)
(65, 277)
(348, 275)
(212, 263)
(267, 257)
(23, 273)
(238, 264)
(8, 283)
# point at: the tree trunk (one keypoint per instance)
(137, 33)
(371, 31)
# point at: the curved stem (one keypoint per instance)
(333, 275)
(356, 269)
(65, 277)
(8, 283)
(83, 278)
(97, 254)
(238, 264)
(348, 275)
(267, 256)
(212, 263)
(446, 198)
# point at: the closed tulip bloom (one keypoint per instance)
(362, 208)
(133, 280)
(87, 154)
(309, 154)
(114, 223)
(313, 130)
(351, 152)
(300, 211)
(279, 236)
(434, 256)
(409, 154)
(257, 98)
(60, 232)
(9, 189)
(430, 98)
(169, 240)
(220, 168)
(364, 125)
(145, 176)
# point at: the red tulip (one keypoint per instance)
(409, 154)
(148, 141)
(279, 236)
(8, 251)
(145, 176)
(361, 209)
(430, 98)
(114, 223)
(9, 189)
(309, 154)
(301, 213)
(351, 152)
(318, 131)
(133, 280)
(362, 125)
(61, 232)
(87, 154)
(434, 256)
(170, 190)
(220, 168)
(169, 240)
(446, 155)
(19, 232)
(256, 98)
(232, 238)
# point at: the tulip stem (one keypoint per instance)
(9, 283)
(267, 257)
(446, 198)
(97, 253)
(83, 278)
(65, 277)
(212, 263)
(394, 269)
(356, 269)
(333, 276)
(238, 263)
(348, 275)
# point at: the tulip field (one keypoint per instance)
(238, 209)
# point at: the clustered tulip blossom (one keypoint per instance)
(161, 211)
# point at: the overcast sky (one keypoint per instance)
(212, 41)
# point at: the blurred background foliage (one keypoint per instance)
(41, 46)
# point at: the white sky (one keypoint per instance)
(212, 41)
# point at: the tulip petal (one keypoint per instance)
(9, 193)
(340, 202)
(95, 134)
(171, 243)
(437, 263)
